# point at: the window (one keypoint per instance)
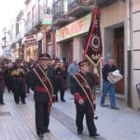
(17, 28)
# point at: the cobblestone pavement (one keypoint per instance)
(17, 121)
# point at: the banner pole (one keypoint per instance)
(95, 2)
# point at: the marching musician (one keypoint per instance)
(18, 81)
(82, 84)
(7, 74)
(1, 84)
(41, 82)
(59, 82)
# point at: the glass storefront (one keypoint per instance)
(31, 52)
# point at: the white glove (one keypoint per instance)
(30, 91)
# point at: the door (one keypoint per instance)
(67, 51)
(119, 61)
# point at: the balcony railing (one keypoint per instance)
(28, 26)
(60, 8)
(27, 2)
(35, 20)
(78, 8)
(72, 4)
(105, 3)
(19, 36)
(25, 29)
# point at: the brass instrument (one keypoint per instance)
(17, 72)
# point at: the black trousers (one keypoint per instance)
(58, 86)
(8, 83)
(87, 110)
(19, 90)
(70, 81)
(41, 117)
(1, 91)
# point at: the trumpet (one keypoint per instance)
(17, 72)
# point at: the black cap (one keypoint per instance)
(18, 60)
(83, 62)
(44, 57)
(7, 59)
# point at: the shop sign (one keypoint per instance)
(30, 39)
(76, 28)
(47, 19)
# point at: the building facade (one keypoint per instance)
(65, 34)
(120, 31)
(135, 50)
(38, 18)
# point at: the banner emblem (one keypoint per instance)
(95, 43)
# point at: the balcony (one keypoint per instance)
(19, 15)
(60, 8)
(35, 20)
(79, 8)
(27, 2)
(105, 3)
(19, 36)
(27, 27)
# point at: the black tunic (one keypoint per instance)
(35, 82)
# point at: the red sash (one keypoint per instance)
(85, 87)
(45, 81)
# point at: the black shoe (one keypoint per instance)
(114, 107)
(40, 135)
(24, 102)
(80, 132)
(17, 103)
(104, 105)
(63, 100)
(48, 131)
(94, 135)
(2, 103)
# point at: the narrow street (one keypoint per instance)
(17, 121)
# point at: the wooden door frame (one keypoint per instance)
(117, 40)
(116, 56)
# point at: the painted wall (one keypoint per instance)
(112, 17)
(136, 51)
(77, 49)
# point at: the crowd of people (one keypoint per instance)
(46, 78)
(15, 78)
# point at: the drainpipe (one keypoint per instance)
(129, 55)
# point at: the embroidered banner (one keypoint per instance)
(93, 45)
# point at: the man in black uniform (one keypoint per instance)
(59, 84)
(82, 84)
(18, 82)
(7, 74)
(1, 84)
(41, 82)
